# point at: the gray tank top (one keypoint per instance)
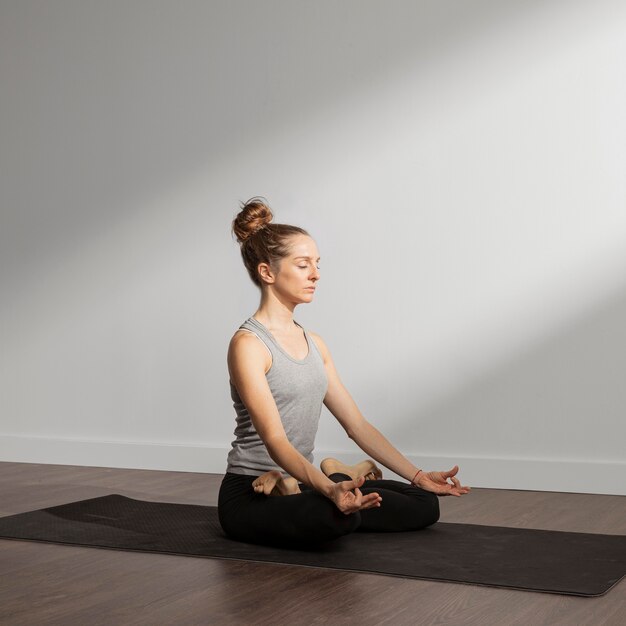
(298, 387)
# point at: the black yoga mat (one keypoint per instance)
(581, 564)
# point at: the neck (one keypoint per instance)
(274, 314)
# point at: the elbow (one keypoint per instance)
(353, 433)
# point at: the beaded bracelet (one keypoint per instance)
(414, 477)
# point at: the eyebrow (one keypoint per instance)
(308, 257)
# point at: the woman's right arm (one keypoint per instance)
(246, 365)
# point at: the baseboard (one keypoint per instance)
(606, 478)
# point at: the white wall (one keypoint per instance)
(460, 165)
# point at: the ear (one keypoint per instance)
(265, 272)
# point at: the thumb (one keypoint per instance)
(358, 481)
(453, 471)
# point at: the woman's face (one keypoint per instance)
(299, 271)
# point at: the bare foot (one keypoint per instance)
(286, 487)
(272, 483)
(366, 468)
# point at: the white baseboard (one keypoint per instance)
(607, 478)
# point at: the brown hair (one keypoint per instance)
(261, 240)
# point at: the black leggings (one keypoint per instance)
(311, 518)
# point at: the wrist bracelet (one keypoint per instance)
(414, 477)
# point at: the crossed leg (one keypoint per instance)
(404, 506)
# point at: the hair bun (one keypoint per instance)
(255, 214)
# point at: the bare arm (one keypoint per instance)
(340, 403)
(247, 361)
(374, 443)
(285, 455)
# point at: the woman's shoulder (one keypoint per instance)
(246, 337)
(249, 346)
(244, 330)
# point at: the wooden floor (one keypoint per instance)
(44, 583)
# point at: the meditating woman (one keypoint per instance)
(280, 374)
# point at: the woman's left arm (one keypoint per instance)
(376, 445)
(340, 403)
(372, 441)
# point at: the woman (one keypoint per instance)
(280, 374)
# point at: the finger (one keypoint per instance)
(373, 494)
(371, 497)
(358, 496)
(371, 505)
(456, 481)
(349, 485)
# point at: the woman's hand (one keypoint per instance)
(348, 502)
(437, 483)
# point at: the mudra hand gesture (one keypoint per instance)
(437, 482)
(347, 501)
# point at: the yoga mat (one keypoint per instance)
(580, 564)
